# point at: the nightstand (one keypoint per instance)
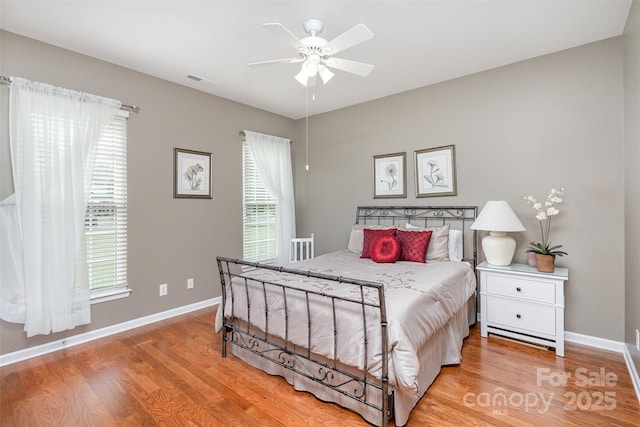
(518, 301)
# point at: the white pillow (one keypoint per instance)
(456, 245)
(356, 238)
(439, 244)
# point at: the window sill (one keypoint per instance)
(109, 295)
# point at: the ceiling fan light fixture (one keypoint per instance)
(310, 67)
(302, 77)
(325, 74)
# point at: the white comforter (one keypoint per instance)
(420, 299)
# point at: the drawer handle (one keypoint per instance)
(518, 316)
(519, 289)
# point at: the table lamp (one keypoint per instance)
(498, 218)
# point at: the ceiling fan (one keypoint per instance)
(315, 53)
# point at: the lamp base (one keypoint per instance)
(498, 248)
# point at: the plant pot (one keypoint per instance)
(546, 263)
(531, 259)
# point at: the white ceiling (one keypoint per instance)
(416, 43)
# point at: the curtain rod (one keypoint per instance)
(241, 133)
(133, 108)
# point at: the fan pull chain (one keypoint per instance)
(306, 98)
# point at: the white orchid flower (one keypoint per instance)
(543, 215)
(552, 211)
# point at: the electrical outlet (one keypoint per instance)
(637, 340)
(163, 289)
(190, 283)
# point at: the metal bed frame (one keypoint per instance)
(356, 384)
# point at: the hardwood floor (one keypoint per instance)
(171, 374)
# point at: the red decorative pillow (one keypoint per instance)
(385, 249)
(370, 236)
(414, 245)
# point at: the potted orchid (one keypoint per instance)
(544, 250)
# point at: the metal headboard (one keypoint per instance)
(458, 218)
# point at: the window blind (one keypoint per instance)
(259, 214)
(106, 216)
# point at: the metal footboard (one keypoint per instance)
(354, 383)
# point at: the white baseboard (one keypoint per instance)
(633, 373)
(596, 342)
(617, 346)
(17, 356)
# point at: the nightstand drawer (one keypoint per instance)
(521, 287)
(521, 316)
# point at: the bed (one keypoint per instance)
(369, 336)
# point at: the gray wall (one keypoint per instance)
(632, 178)
(519, 130)
(170, 239)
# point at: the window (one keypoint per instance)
(258, 215)
(106, 217)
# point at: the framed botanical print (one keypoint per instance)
(191, 174)
(390, 176)
(436, 171)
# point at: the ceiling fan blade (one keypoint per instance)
(275, 62)
(359, 68)
(358, 34)
(283, 33)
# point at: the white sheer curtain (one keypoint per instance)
(272, 156)
(53, 135)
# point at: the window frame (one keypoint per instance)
(254, 193)
(120, 205)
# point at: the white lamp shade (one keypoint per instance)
(497, 215)
(498, 218)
